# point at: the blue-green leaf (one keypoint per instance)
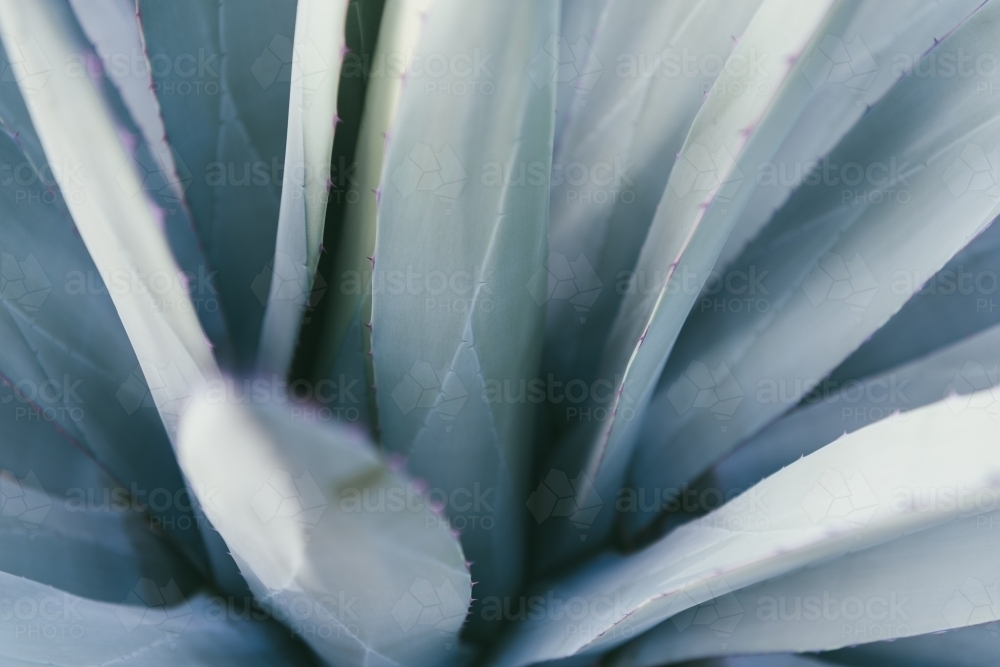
(835, 408)
(841, 499)
(76, 408)
(119, 229)
(155, 625)
(344, 351)
(832, 255)
(222, 70)
(312, 118)
(731, 131)
(112, 27)
(937, 579)
(461, 236)
(313, 516)
(958, 301)
(969, 646)
(640, 84)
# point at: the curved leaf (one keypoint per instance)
(120, 230)
(970, 646)
(112, 26)
(840, 499)
(646, 77)
(692, 219)
(313, 517)
(76, 410)
(924, 129)
(84, 581)
(221, 71)
(963, 368)
(317, 55)
(937, 579)
(344, 351)
(461, 232)
(156, 625)
(852, 70)
(85, 544)
(959, 300)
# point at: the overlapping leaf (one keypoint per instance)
(316, 521)
(317, 54)
(119, 229)
(833, 257)
(696, 212)
(222, 73)
(77, 409)
(462, 224)
(843, 498)
(344, 355)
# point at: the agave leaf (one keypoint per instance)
(461, 234)
(842, 498)
(926, 130)
(361, 33)
(852, 70)
(94, 547)
(834, 409)
(74, 407)
(30, 447)
(95, 579)
(958, 301)
(317, 55)
(637, 94)
(891, 591)
(580, 23)
(155, 624)
(344, 350)
(112, 26)
(119, 230)
(969, 646)
(770, 660)
(691, 221)
(304, 521)
(221, 73)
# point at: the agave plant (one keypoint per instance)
(501, 333)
